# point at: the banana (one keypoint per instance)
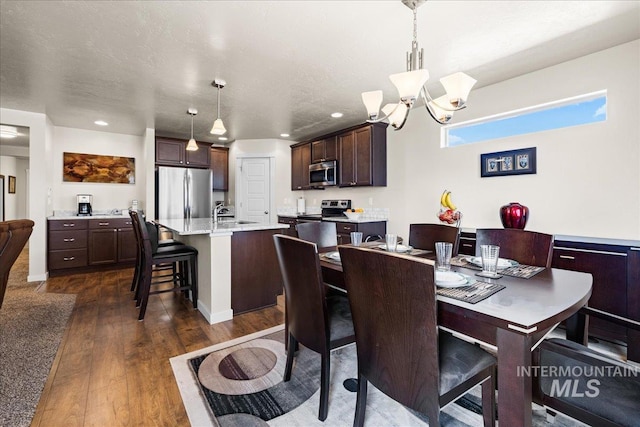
(448, 202)
(443, 198)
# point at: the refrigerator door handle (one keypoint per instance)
(187, 198)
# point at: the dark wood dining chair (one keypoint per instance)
(156, 242)
(323, 234)
(595, 388)
(425, 236)
(186, 256)
(526, 247)
(13, 237)
(318, 321)
(400, 349)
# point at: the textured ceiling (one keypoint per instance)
(288, 64)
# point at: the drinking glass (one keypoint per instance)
(356, 238)
(490, 254)
(392, 242)
(443, 256)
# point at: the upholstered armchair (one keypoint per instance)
(13, 236)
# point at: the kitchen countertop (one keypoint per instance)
(195, 226)
(334, 219)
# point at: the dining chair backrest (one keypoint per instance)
(324, 234)
(304, 292)
(526, 247)
(13, 237)
(393, 304)
(425, 236)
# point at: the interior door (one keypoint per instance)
(255, 186)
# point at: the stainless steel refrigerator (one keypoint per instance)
(183, 193)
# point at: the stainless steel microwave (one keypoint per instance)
(323, 174)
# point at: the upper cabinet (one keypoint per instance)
(362, 156)
(324, 150)
(220, 167)
(300, 161)
(172, 152)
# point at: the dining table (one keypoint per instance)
(512, 321)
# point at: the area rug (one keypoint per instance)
(32, 325)
(239, 383)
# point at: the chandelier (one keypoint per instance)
(218, 127)
(411, 85)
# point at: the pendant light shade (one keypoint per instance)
(372, 101)
(191, 145)
(218, 127)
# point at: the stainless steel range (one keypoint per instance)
(330, 209)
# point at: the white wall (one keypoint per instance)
(9, 167)
(105, 196)
(588, 177)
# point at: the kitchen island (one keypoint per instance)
(237, 265)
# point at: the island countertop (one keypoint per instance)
(188, 227)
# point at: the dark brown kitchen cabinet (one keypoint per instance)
(362, 156)
(173, 152)
(219, 164)
(467, 244)
(67, 244)
(292, 222)
(608, 266)
(300, 161)
(369, 230)
(324, 149)
(111, 241)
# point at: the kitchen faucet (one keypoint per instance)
(216, 210)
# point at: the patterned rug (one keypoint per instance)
(239, 383)
(32, 325)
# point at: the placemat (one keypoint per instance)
(521, 270)
(473, 293)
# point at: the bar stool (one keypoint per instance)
(184, 255)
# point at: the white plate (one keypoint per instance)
(399, 248)
(502, 262)
(450, 279)
(335, 255)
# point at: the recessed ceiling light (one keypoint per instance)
(101, 123)
(8, 132)
(336, 115)
(222, 138)
(284, 135)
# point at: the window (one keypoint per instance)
(590, 108)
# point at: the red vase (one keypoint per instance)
(514, 215)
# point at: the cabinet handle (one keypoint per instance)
(103, 223)
(71, 258)
(69, 225)
(128, 223)
(347, 228)
(467, 245)
(567, 257)
(180, 161)
(69, 240)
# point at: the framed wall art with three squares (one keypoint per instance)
(513, 162)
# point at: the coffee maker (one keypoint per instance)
(84, 204)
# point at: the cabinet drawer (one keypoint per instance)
(67, 259)
(68, 239)
(71, 224)
(346, 227)
(287, 220)
(95, 224)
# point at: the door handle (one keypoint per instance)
(266, 212)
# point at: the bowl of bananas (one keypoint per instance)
(448, 212)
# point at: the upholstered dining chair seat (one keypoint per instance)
(340, 323)
(459, 361)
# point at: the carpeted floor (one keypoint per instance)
(244, 376)
(32, 325)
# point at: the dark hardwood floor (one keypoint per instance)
(113, 370)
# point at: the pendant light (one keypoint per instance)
(191, 145)
(218, 127)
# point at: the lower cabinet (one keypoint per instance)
(292, 222)
(81, 243)
(369, 230)
(467, 244)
